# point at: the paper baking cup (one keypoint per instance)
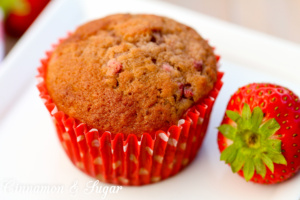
(131, 161)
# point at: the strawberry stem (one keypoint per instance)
(253, 148)
(252, 139)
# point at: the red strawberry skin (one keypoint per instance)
(283, 105)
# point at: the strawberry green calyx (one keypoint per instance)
(21, 7)
(254, 144)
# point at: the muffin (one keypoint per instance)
(131, 96)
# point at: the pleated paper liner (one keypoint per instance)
(131, 161)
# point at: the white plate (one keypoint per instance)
(30, 154)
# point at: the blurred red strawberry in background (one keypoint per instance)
(19, 14)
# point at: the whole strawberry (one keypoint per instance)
(20, 14)
(260, 134)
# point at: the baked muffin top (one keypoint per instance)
(130, 73)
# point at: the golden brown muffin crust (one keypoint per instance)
(130, 73)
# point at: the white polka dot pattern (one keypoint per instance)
(98, 161)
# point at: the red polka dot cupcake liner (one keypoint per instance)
(132, 160)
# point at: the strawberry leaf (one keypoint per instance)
(229, 154)
(245, 121)
(256, 118)
(277, 158)
(228, 131)
(248, 169)
(275, 145)
(246, 113)
(239, 161)
(269, 128)
(233, 115)
(268, 162)
(260, 167)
